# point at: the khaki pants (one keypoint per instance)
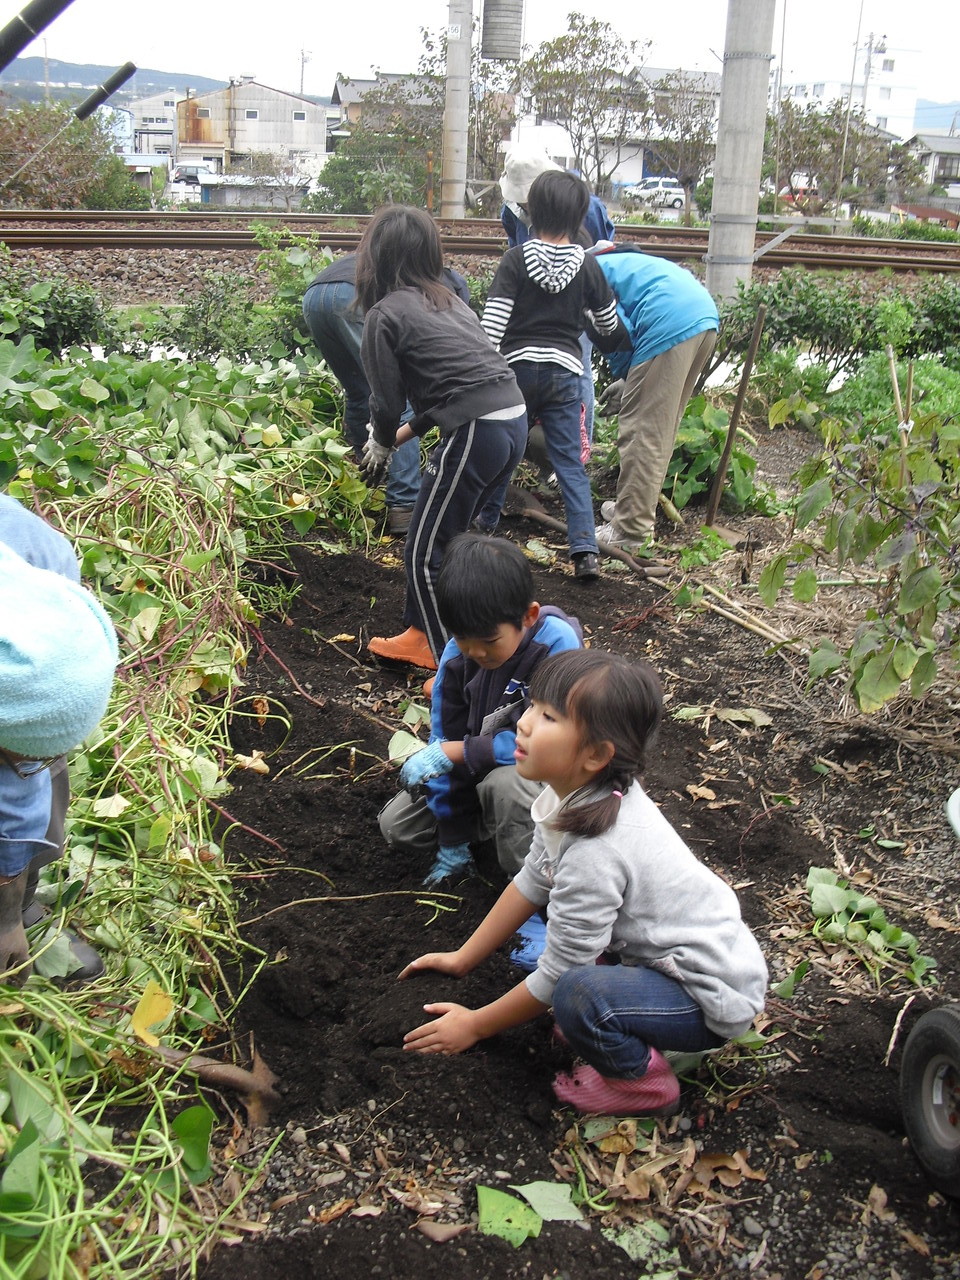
(406, 822)
(654, 398)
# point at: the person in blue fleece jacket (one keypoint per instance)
(464, 787)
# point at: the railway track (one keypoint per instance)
(26, 230)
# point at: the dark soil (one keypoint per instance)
(817, 1113)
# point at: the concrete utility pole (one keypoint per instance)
(740, 130)
(456, 114)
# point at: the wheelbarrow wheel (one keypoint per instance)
(930, 1096)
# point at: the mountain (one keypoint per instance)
(26, 78)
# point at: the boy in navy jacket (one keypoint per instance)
(463, 787)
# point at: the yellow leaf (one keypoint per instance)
(271, 435)
(155, 1006)
(344, 638)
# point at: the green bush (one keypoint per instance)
(56, 312)
(909, 230)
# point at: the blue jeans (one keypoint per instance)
(588, 392)
(552, 394)
(336, 326)
(613, 1014)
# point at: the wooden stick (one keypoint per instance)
(714, 504)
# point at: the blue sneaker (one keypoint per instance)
(533, 938)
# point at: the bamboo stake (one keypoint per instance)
(904, 433)
(715, 493)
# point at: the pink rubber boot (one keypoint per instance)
(656, 1093)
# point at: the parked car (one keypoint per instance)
(664, 193)
(190, 172)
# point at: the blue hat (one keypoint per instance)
(58, 651)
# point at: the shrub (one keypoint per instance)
(56, 312)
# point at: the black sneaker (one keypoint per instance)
(586, 566)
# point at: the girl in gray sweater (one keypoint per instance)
(682, 971)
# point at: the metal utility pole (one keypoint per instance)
(740, 130)
(456, 112)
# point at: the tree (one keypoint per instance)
(116, 190)
(396, 145)
(67, 160)
(684, 109)
(825, 156)
(275, 177)
(586, 82)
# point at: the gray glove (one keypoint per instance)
(14, 952)
(375, 459)
(608, 402)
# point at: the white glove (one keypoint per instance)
(375, 459)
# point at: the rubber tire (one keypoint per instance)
(676, 204)
(930, 1096)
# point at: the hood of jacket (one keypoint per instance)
(552, 266)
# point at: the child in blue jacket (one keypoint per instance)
(464, 786)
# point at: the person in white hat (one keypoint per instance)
(58, 653)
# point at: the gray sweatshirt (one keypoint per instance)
(638, 891)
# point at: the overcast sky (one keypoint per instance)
(221, 38)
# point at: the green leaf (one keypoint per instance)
(918, 589)
(94, 391)
(805, 585)
(820, 875)
(785, 989)
(824, 659)
(193, 1127)
(772, 579)
(45, 399)
(828, 899)
(647, 1243)
(923, 675)
(21, 1177)
(506, 1216)
(812, 502)
(552, 1200)
(402, 745)
(877, 682)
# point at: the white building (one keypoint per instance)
(155, 123)
(883, 83)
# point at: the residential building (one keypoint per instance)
(940, 154)
(638, 157)
(883, 85)
(224, 128)
(155, 123)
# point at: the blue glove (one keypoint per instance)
(450, 859)
(428, 763)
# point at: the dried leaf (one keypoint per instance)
(699, 793)
(344, 638)
(877, 1206)
(254, 762)
(334, 1212)
(916, 1242)
(441, 1232)
(367, 1211)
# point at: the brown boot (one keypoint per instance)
(410, 646)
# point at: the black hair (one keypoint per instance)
(610, 699)
(483, 582)
(558, 203)
(401, 247)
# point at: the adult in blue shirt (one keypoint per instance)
(673, 323)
